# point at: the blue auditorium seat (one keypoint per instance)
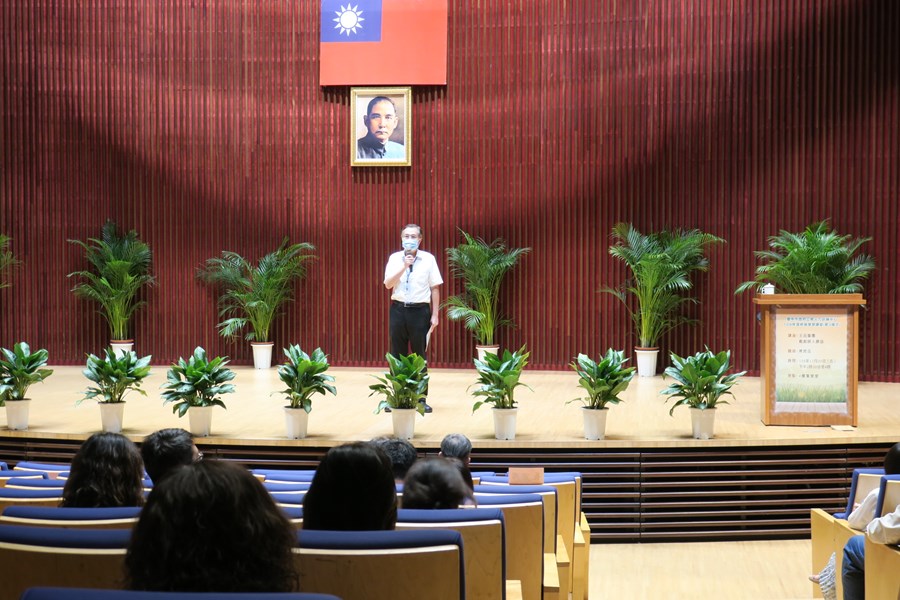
(855, 493)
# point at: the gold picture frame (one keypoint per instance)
(381, 126)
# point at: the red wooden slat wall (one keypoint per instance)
(201, 124)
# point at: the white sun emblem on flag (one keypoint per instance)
(348, 19)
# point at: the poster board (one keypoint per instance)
(809, 358)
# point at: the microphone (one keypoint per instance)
(409, 253)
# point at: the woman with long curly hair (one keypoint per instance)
(107, 471)
(211, 527)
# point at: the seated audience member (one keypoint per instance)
(106, 472)
(862, 514)
(435, 483)
(464, 471)
(353, 490)
(402, 455)
(165, 450)
(456, 445)
(211, 527)
(883, 530)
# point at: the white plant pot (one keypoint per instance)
(121, 347)
(594, 423)
(482, 350)
(17, 414)
(200, 418)
(262, 354)
(296, 421)
(703, 423)
(505, 423)
(404, 420)
(646, 361)
(111, 416)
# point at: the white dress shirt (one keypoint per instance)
(414, 285)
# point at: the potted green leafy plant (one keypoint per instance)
(19, 369)
(661, 264)
(700, 382)
(114, 375)
(119, 268)
(7, 259)
(253, 294)
(194, 386)
(304, 376)
(814, 261)
(603, 381)
(482, 267)
(403, 387)
(498, 378)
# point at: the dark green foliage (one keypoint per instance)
(305, 376)
(404, 385)
(603, 380)
(115, 374)
(197, 382)
(498, 378)
(700, 380)
(19, 369)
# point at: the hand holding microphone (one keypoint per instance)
(409, 257)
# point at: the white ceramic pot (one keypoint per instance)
(703, 423)
(505, 423)
(262, 354)
(594, 423)
(482, 350)
(121, 347)
(111, 416)
(646, 361)
(17, 414)
(200, 418)
(296, 421)
(404, 420)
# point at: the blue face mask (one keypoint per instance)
(411, 245)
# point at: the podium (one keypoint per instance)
(809, 359)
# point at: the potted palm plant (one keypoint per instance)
(114, 375)
(814, 261)
(482, 267)
(304, 376)
(603, 381)
(498, 378)
(194, 387)
(661, 264)
(119, 268)
(7, 259)
(700, 382)
(403, 386)
(19, 369)
(253, 294)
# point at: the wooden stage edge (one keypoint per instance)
(255, 418)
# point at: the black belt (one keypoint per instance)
(410, 304)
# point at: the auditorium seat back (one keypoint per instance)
(548, 496)
(14, 497)
(285, 475)
(42, 467)
(395, 565)
(34, 483)
(523, 518)
(888, 495)
(862, 482)
(92, 594)
(297, 487)
(54, 556)
(6, 475)
(483, 534)
(92, 518)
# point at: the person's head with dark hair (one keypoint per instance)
(165, 450)
(107, 471)
(402, 454)
(463, 469)
(456, 445)
(211, 527)
(435, 483)
(892, 460)
(353, 490)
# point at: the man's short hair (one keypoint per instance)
(165, 450)
(456, 445)
(402, 454)
(892, 460)
(411, 226)
(376, 100)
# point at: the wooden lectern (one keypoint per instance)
(809, 361)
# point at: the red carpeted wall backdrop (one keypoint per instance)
(202, 125)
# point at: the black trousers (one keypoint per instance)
(409, 328)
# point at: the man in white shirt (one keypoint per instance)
(884, 530)
(414, 279)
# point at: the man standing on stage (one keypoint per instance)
(414, 278)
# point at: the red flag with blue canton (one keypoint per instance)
(383, 42)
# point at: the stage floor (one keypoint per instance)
(254, 415)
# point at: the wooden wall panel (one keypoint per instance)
(201, 124)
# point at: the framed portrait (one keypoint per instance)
(381, 126)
